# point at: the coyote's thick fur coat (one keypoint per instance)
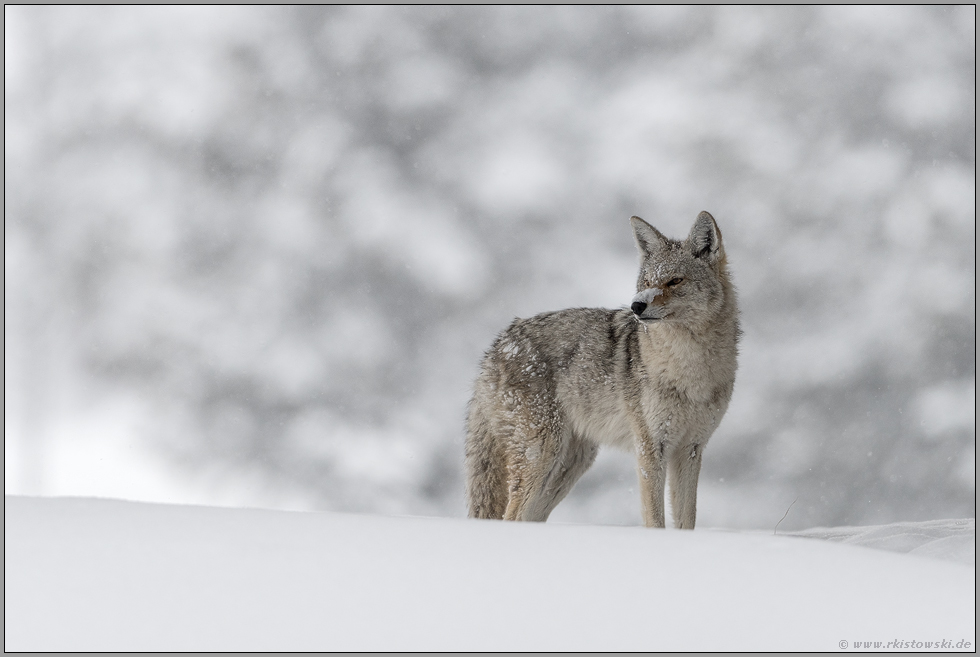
(655, 378)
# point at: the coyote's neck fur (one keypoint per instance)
(698, 361)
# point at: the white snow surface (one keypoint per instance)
(953, 540)
(97, 575)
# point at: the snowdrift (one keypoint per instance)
(100, 575)
(952, 540)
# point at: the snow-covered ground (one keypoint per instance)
(951, 540)
(95, 574)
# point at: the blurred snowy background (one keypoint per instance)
(253, 255)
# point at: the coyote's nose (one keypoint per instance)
(638, 307)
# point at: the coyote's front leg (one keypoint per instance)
(652, 474)
(685, 466)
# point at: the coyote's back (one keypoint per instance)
(656, 379)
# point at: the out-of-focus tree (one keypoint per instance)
(292, 232)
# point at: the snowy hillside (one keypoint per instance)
(88, 574)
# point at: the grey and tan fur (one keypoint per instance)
(655, 379)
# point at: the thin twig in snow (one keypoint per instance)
(784, 515)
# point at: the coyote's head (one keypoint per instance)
(680, 282)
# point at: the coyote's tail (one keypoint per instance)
(486, 477)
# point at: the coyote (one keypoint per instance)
(655, 378)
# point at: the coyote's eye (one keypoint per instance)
(674, 281)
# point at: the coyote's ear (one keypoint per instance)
(705, 239)
(648, 238)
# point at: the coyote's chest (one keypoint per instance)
(678, 387)
(679, 366)
(686, 385)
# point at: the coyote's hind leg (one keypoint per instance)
(577, 456)
(534, 451)
(529, 460)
